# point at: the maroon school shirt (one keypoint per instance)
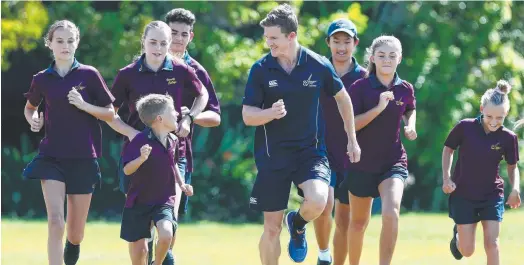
(69, 131)
(476, 172)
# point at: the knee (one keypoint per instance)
(56, 222)
(359, 225)
(316, 202)
(165, 239)
(491, 243)
(272, 231)
(390, 216)
(467, 248)
(140, 250)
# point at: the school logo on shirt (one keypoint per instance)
(252, 200)
(309, 82)
(273, 83)
(399, 102)
(171, 81)
(80, 87)
(495, 147)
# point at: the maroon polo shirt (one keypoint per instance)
(336, 136)
(136, 80)
(153, 183)
(69, 131)
(212, 104)
(380, 139)
(476, 172)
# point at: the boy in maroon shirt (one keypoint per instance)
(150, 162)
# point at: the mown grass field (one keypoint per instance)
(423, 240)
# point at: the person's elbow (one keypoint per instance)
(110, 116)
(215, 122)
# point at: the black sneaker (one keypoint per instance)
(324, 262)
(453, 245)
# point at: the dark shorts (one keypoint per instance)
(271, 189)
(136, 221)
(341, 191)
(364, 184)
(80, 175)
(464, 211)
(184, 200)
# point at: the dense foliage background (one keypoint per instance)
(452, 52)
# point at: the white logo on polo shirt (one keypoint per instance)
(273, 83)
(309, 82)
(252, 200)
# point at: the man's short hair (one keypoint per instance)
(181, 15)
(281, 16)
(152, 105)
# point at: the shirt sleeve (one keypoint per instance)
(102, 95)
(212, 104)
(511, 152)
(455, 136)
(132, 150)
(120, 89)
(192, 83)
(332, 83)
(34, 95)
(254, 91)
(411, 103)
(356, 98)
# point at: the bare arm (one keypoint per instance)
(410, 118)
(121, 127)
(200, 103)
(29, 112)
(133, 166)
(345, 107)
(106, 113)
(254, 116)
(447, 158)
(513, 175)
(208, 118)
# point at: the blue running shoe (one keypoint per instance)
(297, 247)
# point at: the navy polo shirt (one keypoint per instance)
(69, 131)
(153, 183)
(380, 139)
(212, 103)
(336, 136)
(476, 172)
(136, 80)
(303, 127)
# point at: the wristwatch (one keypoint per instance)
(191, 118)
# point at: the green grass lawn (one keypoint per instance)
(423, 240)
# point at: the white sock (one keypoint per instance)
(324, 255)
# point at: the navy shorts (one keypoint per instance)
(80, 175)
(271, 189)
(341, 191)
(364, 184)
(136, 220)
(184, 200)
(464, 211)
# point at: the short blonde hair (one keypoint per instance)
(152, 105)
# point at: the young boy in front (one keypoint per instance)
(149, 161)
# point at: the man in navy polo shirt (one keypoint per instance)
(282, 98)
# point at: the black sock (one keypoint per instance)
(150, 252)
(298, 221)
(169, 260)
(71, 253)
